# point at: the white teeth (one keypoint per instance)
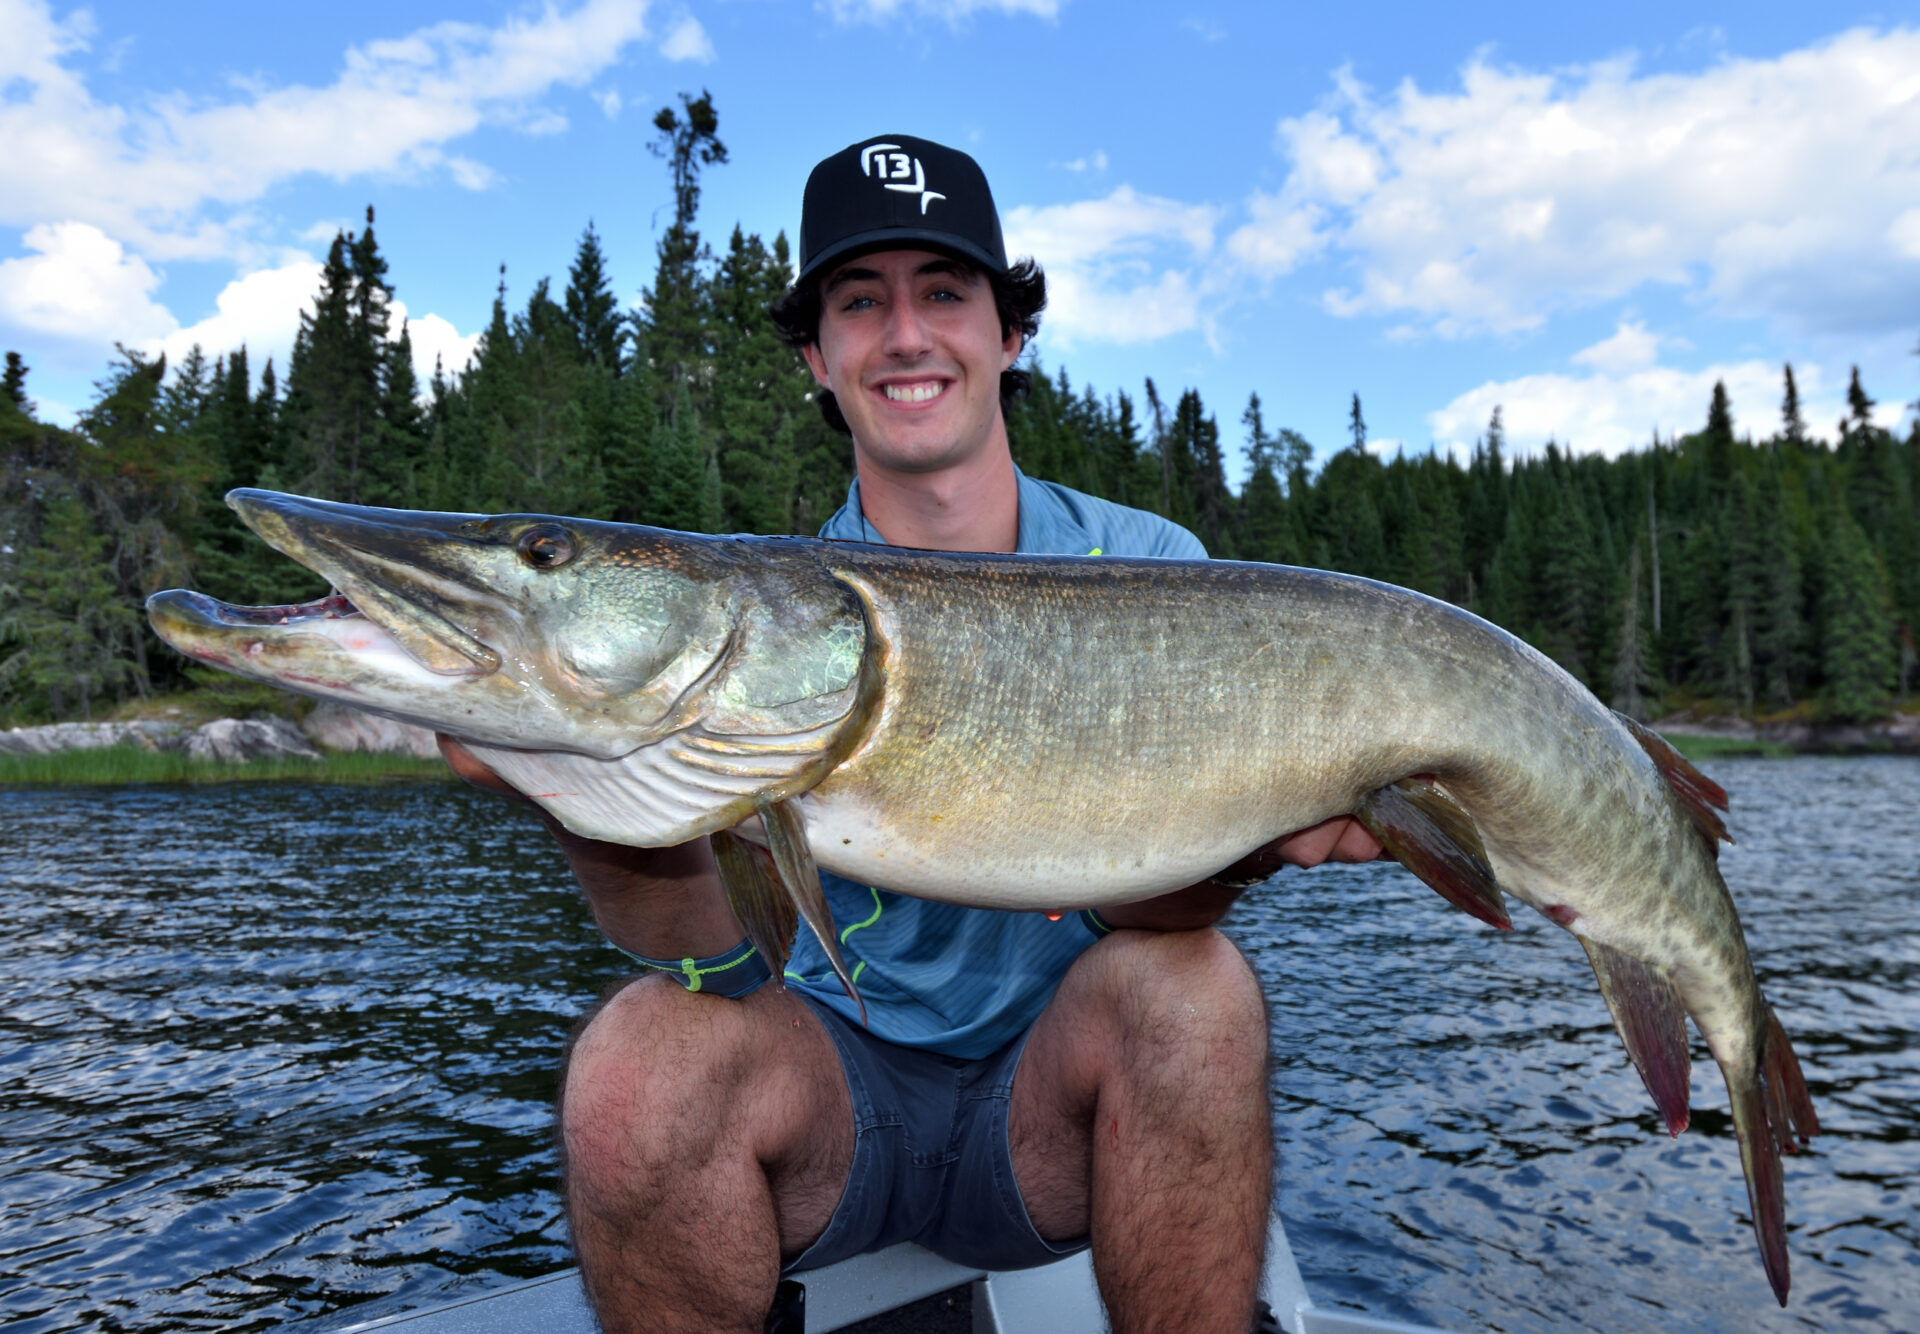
(913, 393)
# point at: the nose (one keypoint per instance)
(905, 335)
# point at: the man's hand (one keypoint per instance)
(663, 903)
(1341, 839)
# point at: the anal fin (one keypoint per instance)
(1702, 798)
(1651, 1022)
(758, 898)
(1433, 837)
(793, 859)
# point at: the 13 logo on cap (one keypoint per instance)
(898, 171)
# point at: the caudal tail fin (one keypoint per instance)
(1772, 1114)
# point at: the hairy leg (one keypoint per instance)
(1140, 1116)
(703, 1140)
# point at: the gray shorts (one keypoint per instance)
(931, 1161)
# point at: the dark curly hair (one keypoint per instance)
(1019, 295)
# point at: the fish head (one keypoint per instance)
(523, 630)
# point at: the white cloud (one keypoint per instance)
(1621, 402)
(610, 103)
(260, 311)
(1282, 234)
(1781, 188)
(171, 178)
(954, 12)
(78, 283)
(688, 41)
(436, 337)
(1094, 162)
(1122, 269)
(1904, 233)
(1631, 348)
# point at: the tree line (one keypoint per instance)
(1761, 575)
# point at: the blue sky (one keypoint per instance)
(1586, 214)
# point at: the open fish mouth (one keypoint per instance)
(383, 605)
(335, 606)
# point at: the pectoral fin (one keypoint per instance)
(759, 900)
(793, 859)
(1652, 1023)
(1431, 835)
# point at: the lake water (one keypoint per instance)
(274, 1052)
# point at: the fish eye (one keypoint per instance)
(545, 546)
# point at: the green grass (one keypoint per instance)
(131, 764)
(1724, 747)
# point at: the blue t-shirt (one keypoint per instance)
(966, 981)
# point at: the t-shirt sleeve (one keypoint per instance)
(1139, 533)
(1121, 530)
(1177, 542)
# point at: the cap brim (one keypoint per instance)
(900, 238)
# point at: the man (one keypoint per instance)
(1028, 1086)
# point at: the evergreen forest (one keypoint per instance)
(1759, 576)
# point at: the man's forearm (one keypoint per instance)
(1187, 909)
(660, 903)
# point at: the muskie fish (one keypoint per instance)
(1031, 732)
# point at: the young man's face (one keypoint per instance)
(910, 345)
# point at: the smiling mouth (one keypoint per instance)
(914, 393)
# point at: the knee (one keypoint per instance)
(647, 1079)
(1189, 994)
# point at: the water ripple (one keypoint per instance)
(276, 1052)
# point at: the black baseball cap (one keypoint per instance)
(897, 192)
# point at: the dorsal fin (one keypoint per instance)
(1700, 795)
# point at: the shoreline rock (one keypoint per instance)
(1898, 735)
(333, 726)
(237, 740)
(330, 727)
(55, 737)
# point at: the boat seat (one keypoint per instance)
(1059, 1298)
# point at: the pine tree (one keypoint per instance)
(1859, 406)
(320, 396)
(1357, 426)
(591, 309)
(1208, 506)
(677, 332)
(1485, 517)
(401, 427)
(1857, 642)
(1745, 591)
(676, 491)
(1793, 426)
(531, 440)
(1718, 437)
(1778, 625)
(184, 398)
(1631, 676)
(1263, 510)
(69, 638)
(13, 386)
(760, 390)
